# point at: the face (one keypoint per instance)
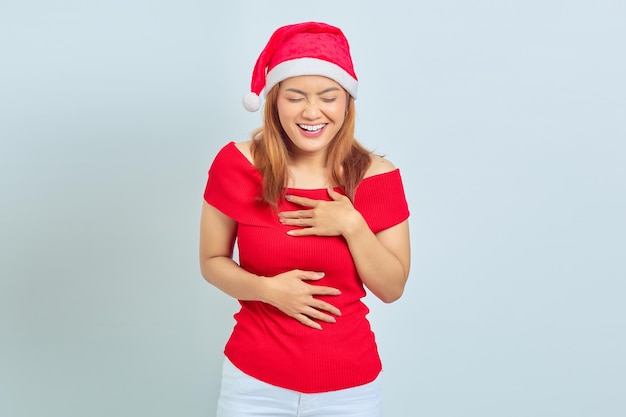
(311, 110)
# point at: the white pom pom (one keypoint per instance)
(252, 102)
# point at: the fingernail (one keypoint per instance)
(319, 274)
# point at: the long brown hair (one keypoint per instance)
(347, 158)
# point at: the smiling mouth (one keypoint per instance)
(312, 128)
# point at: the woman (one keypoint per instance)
(316, 217)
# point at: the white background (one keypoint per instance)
(506, 119)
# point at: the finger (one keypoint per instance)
(308, 322)
(286, 217)
(324, 306)
(315, 314)
(322, 290)
(298, 222)
(303, 201)
(334, 194)
(310, 275)
(296, 214)
(309, 231)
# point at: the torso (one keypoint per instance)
(266, 343)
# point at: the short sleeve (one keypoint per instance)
(234, 184)
(382, 201)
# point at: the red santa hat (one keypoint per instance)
(309, 48)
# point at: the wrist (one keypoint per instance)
(264, 289)
(355, 227)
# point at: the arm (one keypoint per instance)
(382, 259)
(288, 292)
(217, 239)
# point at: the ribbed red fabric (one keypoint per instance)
(267, 344)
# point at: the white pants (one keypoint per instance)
(244, 396)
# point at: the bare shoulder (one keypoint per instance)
(244, 148)
(379, 165)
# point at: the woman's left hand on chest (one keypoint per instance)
(337, 217)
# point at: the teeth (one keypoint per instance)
(312, 128)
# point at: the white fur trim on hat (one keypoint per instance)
(310, 66)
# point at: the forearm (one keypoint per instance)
(382, 272)
(382, 259)
(285, 291)
(225, 274)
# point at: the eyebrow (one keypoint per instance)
(328, 90)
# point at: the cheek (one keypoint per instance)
(339, 113)
(340, 109)
(286, 111)
(283, 115)
(283, 123)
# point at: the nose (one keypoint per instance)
(311, 110)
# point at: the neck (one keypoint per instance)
(308, 172)
(308, 162)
